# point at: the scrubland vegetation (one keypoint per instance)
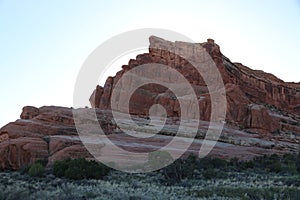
(267, 177)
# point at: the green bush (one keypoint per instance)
(74, 173)
(249, 193)
(249, 164)
(211, 168)
(298, 162)
(43, 162)
(211, 173)
(234, 162)
(80, 169)
(60, 167)
(180, 169)
(209, 162)
(157, 159)
(272, 163)
(219, 163)
(275, 167)
(290, 168)
(36, 170)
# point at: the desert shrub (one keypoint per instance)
(242, 165)
(275, 167)
(211, 173)
(159, 158)
(236, 165)
(36, 170)
(290, 168)
(219, 163)
(298, 162)
(14, 192)
(24, 169)
(288, 158)
(208, 162)
(214, 168)
(43, 162)
(180, 169)
(249, 193)
(60, 167)
(96, 170)
(291, 181)
(249, 164)
(272, 163)
(80, 169)
(234, 162)
(289, 164)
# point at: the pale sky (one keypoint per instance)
(44, 43)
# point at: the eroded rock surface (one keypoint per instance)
(36, 137)
(256, 100)
(263, 114)
(52, 136)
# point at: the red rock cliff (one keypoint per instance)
(256, 100)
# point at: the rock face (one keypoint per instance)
(41, 134)
(256, 100)
(51, 136)
(46, 133)
(263, 113)
(29, 112)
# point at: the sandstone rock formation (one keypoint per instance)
(256, 100)
(263, 114)
(52, 136)
(41, 134)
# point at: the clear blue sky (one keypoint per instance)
(44, 43)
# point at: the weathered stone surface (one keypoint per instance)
(52, 137)
(32, 137)
(29, 112)
(263, 113)
(4, 137)
(20, 151)
(72, 151)
(96, 97)
(257, 117)
(250, 93)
